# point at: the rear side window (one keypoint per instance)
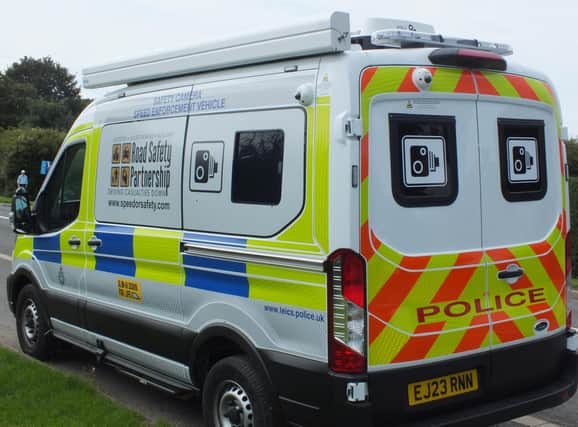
(522, 159)
(258, 167)
(424, 167)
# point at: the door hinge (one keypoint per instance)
(353, 128)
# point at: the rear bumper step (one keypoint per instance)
(553, 394)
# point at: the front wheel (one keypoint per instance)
(236, 395)
(32, 324)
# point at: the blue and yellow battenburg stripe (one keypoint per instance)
(126, 253)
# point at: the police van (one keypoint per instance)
(315, 227)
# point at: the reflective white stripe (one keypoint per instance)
(534, 422)
(254, 256)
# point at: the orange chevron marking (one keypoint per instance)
(366, 77)
(407, 83)
(376, 242)
(504, 254)
(466, 83)
(458, 279)
(549, 315)
(553, 268)
(506, 331)
(474, 337)
(418, 347)
(366, 249)
(549, 89)
(395, 290)
(501, 254)
(522, 87)
(484, 85)
(375, 328)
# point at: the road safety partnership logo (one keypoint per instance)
(120, 175)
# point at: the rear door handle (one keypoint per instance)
(510, 273)
(94, 242)
(74, 242)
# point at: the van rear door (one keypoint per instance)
(523, 220)
(420, 219)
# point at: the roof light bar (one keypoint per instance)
(400, 38)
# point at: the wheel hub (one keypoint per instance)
(31, 321)
(234, 408)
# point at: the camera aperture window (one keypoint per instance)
(423, 159)
(258, 167)
(522, 159)
(206, 166)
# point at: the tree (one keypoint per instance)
(39, 93)
(14, 100)
(25, 148)
(51, 81)
(572, 156)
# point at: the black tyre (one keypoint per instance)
(32, 324)
(235, 394)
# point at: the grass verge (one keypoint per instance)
(34, 394)
(574, 283)
(4, 199)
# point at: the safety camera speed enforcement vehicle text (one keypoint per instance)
(313, 227)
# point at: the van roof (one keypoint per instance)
(323, 36)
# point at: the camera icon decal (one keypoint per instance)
(424, 161)
(522, 160)
(206, 166)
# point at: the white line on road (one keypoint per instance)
(5, 257)
(530, 421)
(4, 217)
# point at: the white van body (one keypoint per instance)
(337, 232)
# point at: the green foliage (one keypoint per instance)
(39, 93)
(572, 156)
(25, 148)
(32, 394)
(573, 188)
(14, 100)
(51, 81)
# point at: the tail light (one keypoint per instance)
(347, 310)
(568, 279)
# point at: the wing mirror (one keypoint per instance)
(20, 216)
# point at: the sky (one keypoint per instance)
(80, 33)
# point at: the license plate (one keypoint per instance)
(442, 387)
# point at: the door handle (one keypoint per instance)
(74, 242)
(511, 273)
(94, 242)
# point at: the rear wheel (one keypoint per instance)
(32, 324)
(236, 395)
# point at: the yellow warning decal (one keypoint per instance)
(129, 289)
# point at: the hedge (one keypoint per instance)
(25, 148)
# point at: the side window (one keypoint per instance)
(258, 167)
(424, 169)
(59, 203)
(522, 159)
